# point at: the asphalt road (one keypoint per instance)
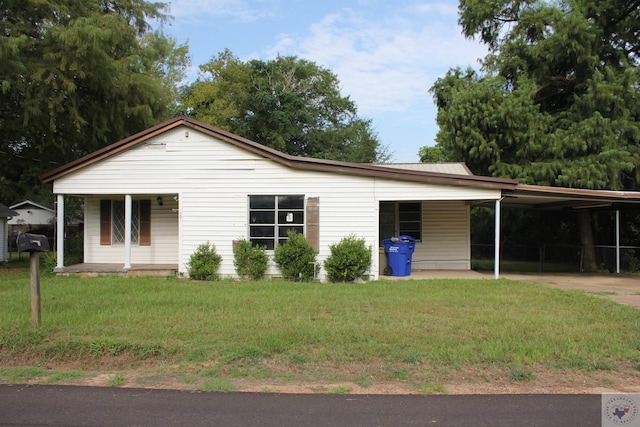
(22, 405)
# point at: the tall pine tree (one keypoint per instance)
(558, 99)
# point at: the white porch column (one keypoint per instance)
(618, 241)
(60, 231)
(496, 256)
(127, 231)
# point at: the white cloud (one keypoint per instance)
(386, 63)
(240, 10)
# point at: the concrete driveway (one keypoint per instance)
(621, 288)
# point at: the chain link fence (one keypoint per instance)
(554, 258)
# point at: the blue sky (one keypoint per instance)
(386, 54)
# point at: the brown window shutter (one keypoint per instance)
(105, 222)
(145, 223)
(313, 222)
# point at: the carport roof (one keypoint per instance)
(558, 198)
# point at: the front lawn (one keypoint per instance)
(214, 335)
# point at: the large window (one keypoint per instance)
(271, 217)
(400, 219)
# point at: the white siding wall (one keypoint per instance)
(33, 216)
(445, 241)
(213, 180)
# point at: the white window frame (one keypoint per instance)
(280, 217)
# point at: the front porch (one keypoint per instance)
(97, 269)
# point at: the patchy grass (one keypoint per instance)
(211, 335)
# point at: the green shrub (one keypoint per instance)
(350, 259)
(250, 261)
(48, 262)
(296, 258)
(204, 263)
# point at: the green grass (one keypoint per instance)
(210, 333)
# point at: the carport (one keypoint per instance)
(558, 198)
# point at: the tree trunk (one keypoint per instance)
(586, 237)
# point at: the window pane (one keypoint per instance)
(288, 217)
(290, 202)
(117, 221)
(409, 216)
(283, 231)
(267, 243)
(262, 217)
(135, 220)
(262, 202)
(261, 232)
(387, 220)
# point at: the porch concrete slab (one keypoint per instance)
(103, 269)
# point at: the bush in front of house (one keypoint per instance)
(350, 259)
(204, 263)
(296, 258)
(250, 261)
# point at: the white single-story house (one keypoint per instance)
(5, 216)
(152, 198)
(30, 215)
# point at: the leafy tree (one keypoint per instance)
(558, 103)
(431, 154)
(76, 76)
(289, 104)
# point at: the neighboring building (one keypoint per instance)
(6, 215)
(154, 197)
(31, 216)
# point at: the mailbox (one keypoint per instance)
(32, 243)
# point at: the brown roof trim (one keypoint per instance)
(296, 162)
(575, 193)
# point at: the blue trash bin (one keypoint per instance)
(399, 252)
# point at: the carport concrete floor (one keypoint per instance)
(621, 288)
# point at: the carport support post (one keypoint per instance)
(34, 266)
(618, 241)
(496, 256)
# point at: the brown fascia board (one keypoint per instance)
(577, 193)
(295, 162)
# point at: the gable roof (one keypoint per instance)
(514, 193)
(294, 162)
(29, 204)
(5, 212)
